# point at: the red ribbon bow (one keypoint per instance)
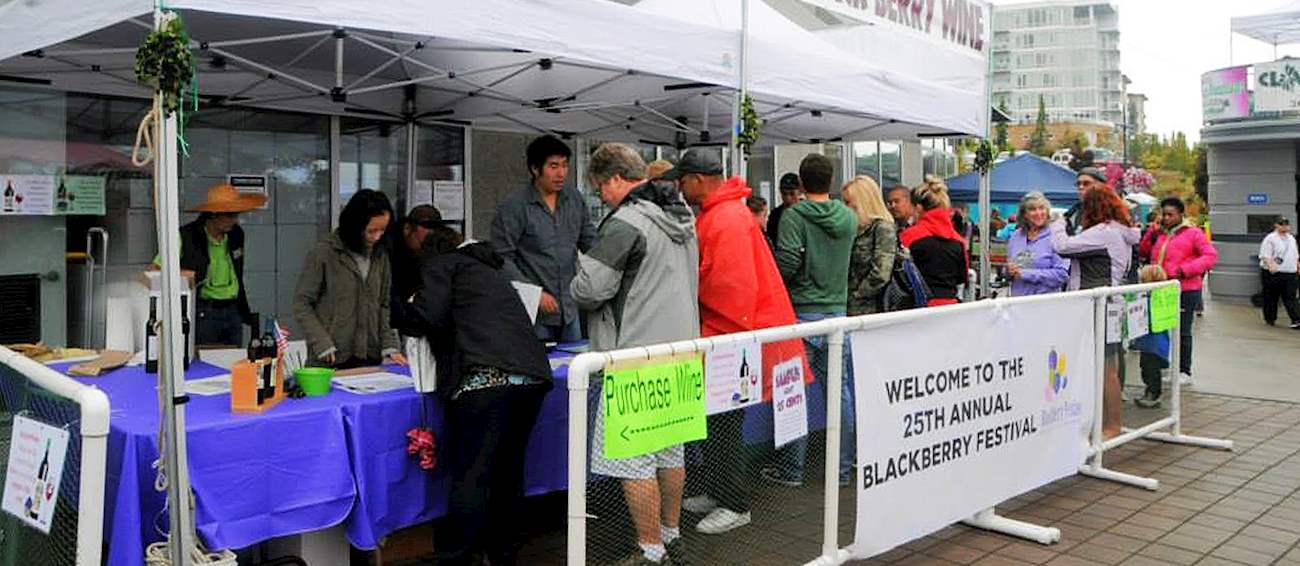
(420, 441)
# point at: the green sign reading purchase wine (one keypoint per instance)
(650, 407)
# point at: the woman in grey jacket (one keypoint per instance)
(341, 301)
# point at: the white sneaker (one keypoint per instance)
(1185, 379)
(699, 504)
(722, 520)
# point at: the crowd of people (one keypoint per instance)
(684, 252)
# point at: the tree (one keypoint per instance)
(1038, 140)
(1201, 178)
(1000, 131)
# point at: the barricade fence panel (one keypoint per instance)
(937, 405)
(32, 393)
(742, 499)
(20, 544)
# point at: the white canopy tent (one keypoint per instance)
(659, 73)
(1279, 27)
(576, 67)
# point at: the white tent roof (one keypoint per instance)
(1279, 27)
(585, 67)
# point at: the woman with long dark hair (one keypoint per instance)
(341, 301)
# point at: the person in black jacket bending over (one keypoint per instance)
(212, 254)
(493, 374)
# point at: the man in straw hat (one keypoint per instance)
(212, 253)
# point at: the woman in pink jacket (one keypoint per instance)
(1181, 248)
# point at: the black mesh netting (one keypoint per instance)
(20, 544)
(784, 521)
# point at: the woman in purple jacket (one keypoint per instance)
(1032, 264)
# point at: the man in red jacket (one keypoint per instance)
(1182, 249)
(740, 291)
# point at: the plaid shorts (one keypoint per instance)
(641, 467)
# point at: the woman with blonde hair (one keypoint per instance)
(874, 248)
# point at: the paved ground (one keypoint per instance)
(1212, 508)
(1237, 354)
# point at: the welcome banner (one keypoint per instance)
(959, 412)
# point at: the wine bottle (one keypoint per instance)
(185, 328)
(151, 338)
(255, 354)
(9, 196)
(38, 487)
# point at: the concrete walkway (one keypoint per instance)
(1237, 354)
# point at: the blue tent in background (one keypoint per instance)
(1014, 177)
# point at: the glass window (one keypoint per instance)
(373, 156)
(891, 164)
(866, 160)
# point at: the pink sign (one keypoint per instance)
(1224, 95)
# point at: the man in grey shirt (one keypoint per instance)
(539, 230)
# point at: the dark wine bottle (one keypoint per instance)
(151, 338)
(185, 329)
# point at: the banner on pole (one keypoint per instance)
(951, 431)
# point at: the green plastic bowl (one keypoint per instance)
(315, 382)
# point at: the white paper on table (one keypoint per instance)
(36, 455)
(209, 386)
(370, 383)
(531, 295)
(1139, 324)
(421, 193)
(789, 403)
(449, 198)
(424, 367)
(1114, 313)
(733, 377)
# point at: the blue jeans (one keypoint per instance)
(570, 331)
(791, 459)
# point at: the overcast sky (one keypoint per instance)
(1165, 45)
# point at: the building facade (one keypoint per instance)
(1067, 52)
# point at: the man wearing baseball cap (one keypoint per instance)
(1279, 260)
(212, 253)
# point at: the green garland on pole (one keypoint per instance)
(164, 62)
(984, 157)
(751, 125)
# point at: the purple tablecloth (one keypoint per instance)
(309, 464)
(305, 465)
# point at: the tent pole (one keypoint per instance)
(737, 154)
(986, 239)
(171, 375)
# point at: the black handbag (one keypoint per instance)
(906, 288)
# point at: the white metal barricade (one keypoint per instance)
(93, 428)
(1151, 431)
(582, 366)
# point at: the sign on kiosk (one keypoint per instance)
(946, 431)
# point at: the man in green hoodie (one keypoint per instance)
(813, 245)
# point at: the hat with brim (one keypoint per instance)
(226, 198)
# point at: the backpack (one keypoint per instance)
(905, 289)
